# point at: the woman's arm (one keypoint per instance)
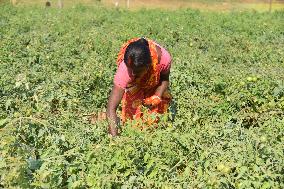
(164, 83)
(113, 102)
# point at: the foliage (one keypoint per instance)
(56, 66)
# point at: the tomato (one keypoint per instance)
(223, 168)
(239, 185)
(242, 83)
(265, 185)
(226, 170)
(220, 167)
(263, 139)
(249, 78)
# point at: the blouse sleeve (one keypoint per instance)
(165, 61)
(122, 77)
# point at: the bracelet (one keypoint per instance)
(156, 96)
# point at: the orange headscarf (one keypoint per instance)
(152, 77)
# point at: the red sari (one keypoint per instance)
(143, 87)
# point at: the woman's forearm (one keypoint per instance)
(113, 122)
(113, 102)
(162, 88)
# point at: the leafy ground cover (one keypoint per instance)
(227, 80)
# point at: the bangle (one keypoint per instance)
(156, 96)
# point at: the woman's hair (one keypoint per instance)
(138, 54)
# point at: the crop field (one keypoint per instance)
(203, 5)
(225, 128)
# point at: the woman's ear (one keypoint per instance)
(129, 61)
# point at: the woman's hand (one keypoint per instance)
(153, 100)
(113, 131)
(164, 84)
(113, 102)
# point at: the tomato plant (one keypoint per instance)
(225, 128)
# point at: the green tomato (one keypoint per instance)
(213, 181)
(242, 83)
(282, 104)
(254, 79)
(223, 168)
(17, 114)
(263, 139)
(167, 187)
(195, 118)
(265, 185)
(28, 112)
(249, 78)
(220, 167)
(239, 185)
(271, 104)
(226, 170)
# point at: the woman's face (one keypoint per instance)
(137, 71)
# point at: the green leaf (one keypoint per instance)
(3, 122)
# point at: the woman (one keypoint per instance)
(142, 78)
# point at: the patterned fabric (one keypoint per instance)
(143, 87)
(132, 103)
